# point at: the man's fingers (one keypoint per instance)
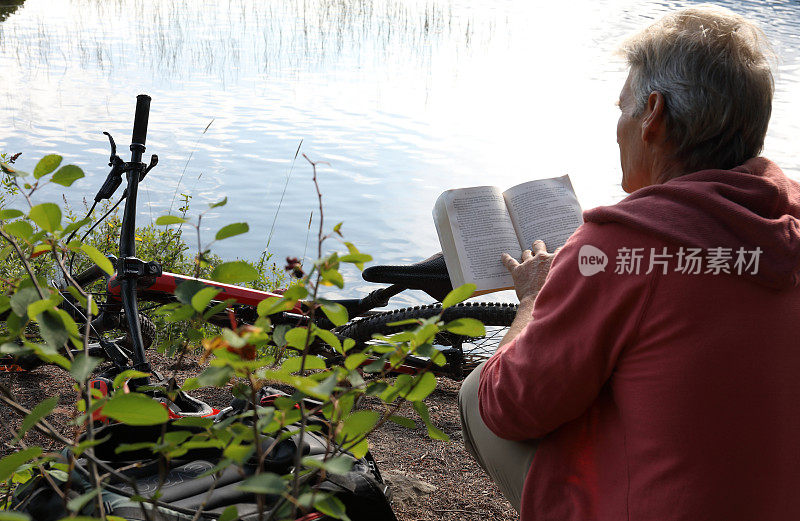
(526, 255)
(509, 262)
(539, 247)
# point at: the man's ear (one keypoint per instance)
(654, 127)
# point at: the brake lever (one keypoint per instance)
(113, 148)
(114, 178)
(153, 163)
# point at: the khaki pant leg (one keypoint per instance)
(506, 462)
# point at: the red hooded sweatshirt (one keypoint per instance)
(671, 391)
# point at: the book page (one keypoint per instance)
(546, 209)
(445, 233)
(482, 232)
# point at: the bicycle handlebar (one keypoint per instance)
(140, 119)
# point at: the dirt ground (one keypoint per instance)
(437, 480)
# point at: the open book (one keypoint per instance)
(476, 225)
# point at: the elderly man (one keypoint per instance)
(666, 387)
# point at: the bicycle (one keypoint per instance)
(136, 280)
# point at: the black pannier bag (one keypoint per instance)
(185, 484)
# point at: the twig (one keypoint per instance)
(280, 202)
(89, 421)
(177, 186)
(24, 263)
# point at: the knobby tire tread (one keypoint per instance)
(489, 313)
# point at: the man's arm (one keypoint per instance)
(558, 357)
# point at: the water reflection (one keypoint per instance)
(179, 39)
(403, 99)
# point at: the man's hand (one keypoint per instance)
(530, 274)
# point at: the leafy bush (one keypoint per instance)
(326, 400)
(167, 245)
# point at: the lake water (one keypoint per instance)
(401, 100)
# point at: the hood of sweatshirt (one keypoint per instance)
(751, 206)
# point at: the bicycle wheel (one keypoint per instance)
(148, 328)
(495, 316)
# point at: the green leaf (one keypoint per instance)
(10, 213)
(230, 513)
(46, 165)
(85, 444)
(83, 300)
(130, 447)
(404, 322)
(71, 227)
(423, 385)
(459, 294)
(292, 364)
(203, 298)
(135, 409)
(53, 329)
(203, 423)
(12, 462)
(337, 465)
(356, 258)
(14, 516)
(187, 289)
(76, 504)
(332, 277)
(21, 229)
(272, 305)
(433, 432)
(323, 390)
(98, 258)
(38, 307)
(279, 334)
(236, 271)
(238, 453)
(41, 410)
(296, 337)
(336, 313)
(83, 366)
(466, 327)
(67, 175)
(231, 230)
(190, 384)
(169, 219)
(329, 339)
(126, 375)
(354, 361)
(330, 505)
(178, 314)
(431, 352)
(296, 292)
(265, 483)
(219, 203)
(402, 420)
(359, 423)
(215, 376)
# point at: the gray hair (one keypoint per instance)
(713, 68)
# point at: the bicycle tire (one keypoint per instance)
(149, 333)
(496, 316)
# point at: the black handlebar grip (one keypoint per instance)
(141, 118)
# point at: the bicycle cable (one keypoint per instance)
(101, 219)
